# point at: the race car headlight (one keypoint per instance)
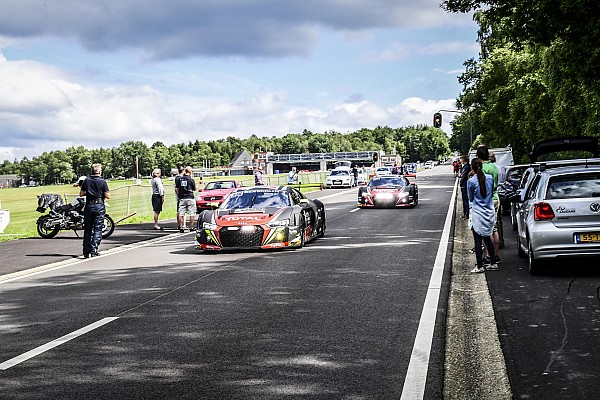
(209, 226)
(281, 222)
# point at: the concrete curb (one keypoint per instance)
(474, 366)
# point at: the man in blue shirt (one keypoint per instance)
(95, 190)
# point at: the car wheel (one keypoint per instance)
(322, 226)
(520, 251)
(535, 267)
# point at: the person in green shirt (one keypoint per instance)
(490, 168)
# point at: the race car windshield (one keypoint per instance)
(219, 185)
(387, 181)
(256, 199)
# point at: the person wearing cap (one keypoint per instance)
(158, 197)
(95, 190)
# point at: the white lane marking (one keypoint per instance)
(355, 210)
(416, 376)
(48, 346)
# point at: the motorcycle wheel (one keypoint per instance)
(45, 230)
(109, 226)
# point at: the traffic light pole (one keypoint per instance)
(470, 121)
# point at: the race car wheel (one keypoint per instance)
(302, 231)
(45, 229)
(321, 224)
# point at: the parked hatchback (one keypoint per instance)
(560, 215)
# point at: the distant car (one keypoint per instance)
(213, 194)
(388, 191)
(429, 164)
(560, 216)
(261, 217)
(383, 171)
(340, 177)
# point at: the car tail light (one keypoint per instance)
(542, 212)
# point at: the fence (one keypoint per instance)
(132, 203)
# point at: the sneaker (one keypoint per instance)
(492, 267)
(477, 270)
(181, 230)
(487, 261)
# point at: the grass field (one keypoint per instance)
(130, 203)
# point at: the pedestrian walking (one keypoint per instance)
(158, 196)
(480, 191)
(95, 190)
(185, 188)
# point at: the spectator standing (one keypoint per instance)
(490, 168)
(158, 196)
(185, 188)
(480, 191)
(180, 169)
(258, 177)
(355, 175)
(95, 190)
(464, 177)
(292, 177)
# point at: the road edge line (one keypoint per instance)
(418, 366)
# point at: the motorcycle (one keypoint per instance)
(65, 216)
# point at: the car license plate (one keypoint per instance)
(337, 182)
(591, 237)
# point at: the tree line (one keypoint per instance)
(415, 143)
(536, 77)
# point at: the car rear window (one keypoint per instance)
(574, 186)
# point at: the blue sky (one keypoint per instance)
(98, 73)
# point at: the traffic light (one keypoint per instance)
(437, 120)
(375, 157)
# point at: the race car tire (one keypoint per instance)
(44, 231)
(322, 226)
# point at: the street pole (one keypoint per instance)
(468, 113)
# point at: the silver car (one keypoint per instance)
(560, 215)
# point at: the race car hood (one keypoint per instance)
(388, 189)
(246, 217)
(215, 192)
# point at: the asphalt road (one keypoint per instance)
(549, 325)
(335, 320)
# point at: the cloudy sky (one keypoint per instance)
(100, 72)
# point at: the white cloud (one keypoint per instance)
(42, 109)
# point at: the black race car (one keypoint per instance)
(388, 191)
(263, 217)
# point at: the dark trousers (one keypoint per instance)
(93, 221)
(465, 201)
(479, 251)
